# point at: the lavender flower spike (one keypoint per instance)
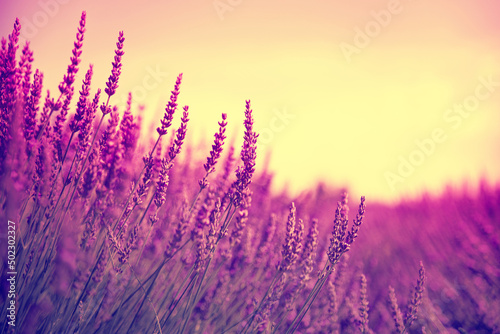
(129, 130)
(363, 307)
(69, 77)
(357, 222)
(170, 108)
(162, 184)
(112, 83)
(82, 102)
(31, 110)
(57, 133)
(24, 70)
(248, 155)
(180, 136)
(395, 311)
(7, 89)
(416, 300)
(217, 146)
(288, 252)
(215, 152)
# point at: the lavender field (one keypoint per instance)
(107, 227)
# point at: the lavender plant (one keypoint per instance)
(108, 242)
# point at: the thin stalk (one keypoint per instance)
(147, 297)
(312, 295)
(298, 318)
(157, 272)
(191, 307)
(175, 302)
(254, 313)
(85, 287)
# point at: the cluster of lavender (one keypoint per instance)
(457, 236)
(116, 237)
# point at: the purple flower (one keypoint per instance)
(31, 110)
(125, 253)
(309, 253)
(170, 108)
(217, 146)
(213, 227)
(69, 77)
(416, 300)
(241, 218)
(215, 152)
(129, 130)
(293, 238)
(7, 90)
(357, 222)
(107, 143)
(25, 70)
(340, 242)
(8, 69)
(180, 136)
(114, 241)
(162, 184)
(342, 219)
(202, 218)
(158, 153)
(248, 155)
(38, 176)
(89, 177)
(112, 83)
(82, 101)
(146, 179)
(363, 307)
(110, 151)
(86, 126)
(395, 311)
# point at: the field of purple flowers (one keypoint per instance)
(106, 230)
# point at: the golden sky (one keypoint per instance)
(387, 97)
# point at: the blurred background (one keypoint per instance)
(389, 98)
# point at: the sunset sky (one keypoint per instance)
(386, 97)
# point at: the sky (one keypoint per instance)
(389, 98)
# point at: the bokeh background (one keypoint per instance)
(389, 98)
